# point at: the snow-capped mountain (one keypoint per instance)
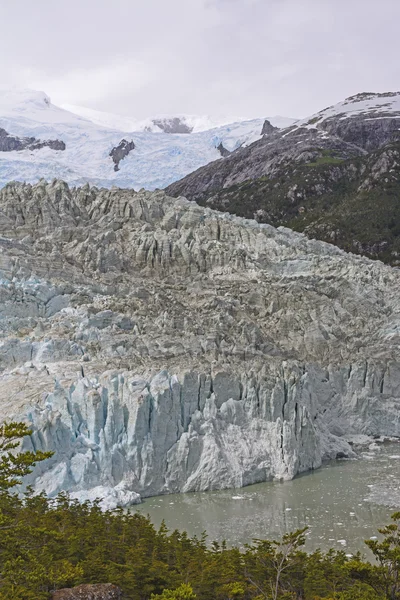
(366, 105)
(107, 150)
(351, 128)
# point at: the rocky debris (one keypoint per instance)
(158, 346)
(267, 128)
(172, 125)
(9, 143)
(97, 591)
(119, 152)
(370, 96)
(222, 150)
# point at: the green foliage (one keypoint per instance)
(183, 592)
(325, 160)
(15, 465)
(387, 554)
(314, 120)
(47, 544)
(276, 568)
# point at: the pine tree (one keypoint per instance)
(15, 465)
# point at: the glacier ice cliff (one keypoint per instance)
(159, 347)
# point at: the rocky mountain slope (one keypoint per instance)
(81, 150)
(334, 175)
(157, 346)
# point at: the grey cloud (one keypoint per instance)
(237, 57)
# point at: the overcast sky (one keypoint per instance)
(217, 57)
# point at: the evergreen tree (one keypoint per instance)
(47, 544)
(183, 592)
(15, 465)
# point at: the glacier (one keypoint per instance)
(158, 159)
(157, 346)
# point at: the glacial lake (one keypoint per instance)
(343, 503)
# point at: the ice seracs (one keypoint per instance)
(158, 347)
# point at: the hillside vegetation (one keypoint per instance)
(352, 203)
(47, 544)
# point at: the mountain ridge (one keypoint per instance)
(315, 176)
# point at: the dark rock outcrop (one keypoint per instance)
(52, 144)
(173, 125)
(119, 152)
(222, 150)
(268, 128)
(9, 143)
(100, 591)
(369, 133)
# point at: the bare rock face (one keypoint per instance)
(369, 134)
(267, 128)
(120, 152)
(8, 143)
(157, 346)
(222, 150)
(173, 125)
(100, 591)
